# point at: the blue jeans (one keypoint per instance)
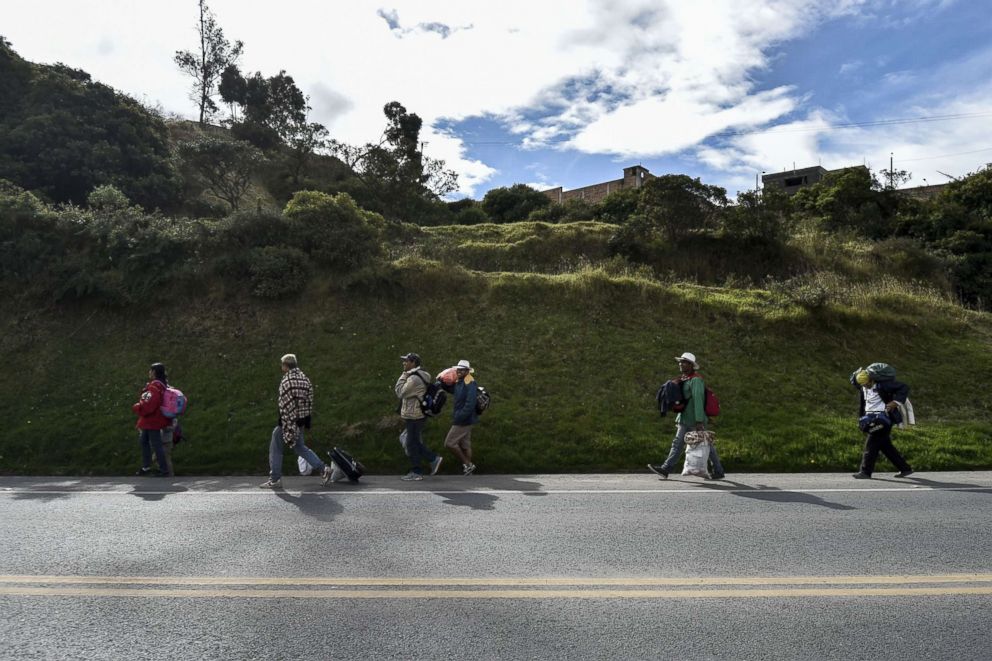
(678, 445)
(151, 439)
(276, 451)
(415, 448)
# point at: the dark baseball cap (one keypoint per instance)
(413, 357)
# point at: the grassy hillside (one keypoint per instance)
(573, 361)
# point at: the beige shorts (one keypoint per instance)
(459, 436)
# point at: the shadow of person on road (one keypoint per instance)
(154, 491)
(936, 484)
(315, 504)
(462, 494)
(772, 494)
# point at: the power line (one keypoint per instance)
(932, 158)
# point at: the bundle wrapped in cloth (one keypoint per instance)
(697, 452)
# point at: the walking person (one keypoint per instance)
(464, 415)
(410, 389)
(691, 418)
(295, 411)
(152, 422)
(882, 401)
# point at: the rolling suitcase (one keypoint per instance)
(351, 467)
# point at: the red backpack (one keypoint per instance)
(711, 405)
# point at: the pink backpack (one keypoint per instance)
(173, 402)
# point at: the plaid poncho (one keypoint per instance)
(295, 402)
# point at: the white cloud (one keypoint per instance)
(925, 149)
(849, 68)
(621, 77)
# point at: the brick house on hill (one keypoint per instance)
(633, 177)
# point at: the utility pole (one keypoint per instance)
(891, 173)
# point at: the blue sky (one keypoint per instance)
(568, 93)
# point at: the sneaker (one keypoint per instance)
(412, 477)
(659, 470)
(468, 469)
(905, 473)
(861, 476)
(271, 484)
(144, 472)
(326, 475)
(435, 465)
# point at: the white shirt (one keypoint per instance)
(873, 401)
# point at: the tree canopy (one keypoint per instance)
(62, 134)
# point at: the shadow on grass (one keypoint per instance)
(772, 494)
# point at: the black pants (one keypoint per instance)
(881, 441)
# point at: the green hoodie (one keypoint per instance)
(694, 392)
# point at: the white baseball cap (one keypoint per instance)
(691, 357)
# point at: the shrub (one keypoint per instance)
(567, 212)
(107, 198)
(800, 291)
(506, 205)
(471, 215)
(618, 206)
(277, 272)
(333, 230)
(254, 229)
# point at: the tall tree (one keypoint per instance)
(677, 204)
(233, 90)
(224, 167)
(206, 65)
(396, 170)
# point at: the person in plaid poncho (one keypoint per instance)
(295, 410)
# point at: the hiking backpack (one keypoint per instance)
(173, 402)
(880, 372)
(433, 400)
(482, 400)
(711, 405)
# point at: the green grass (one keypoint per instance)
(573, 361)
(521, 247)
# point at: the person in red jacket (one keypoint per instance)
(151, 422)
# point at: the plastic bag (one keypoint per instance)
(305, 468)
(697, 453)
(696, 457)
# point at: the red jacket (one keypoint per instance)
(149, 407)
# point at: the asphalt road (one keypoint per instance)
(487, 567)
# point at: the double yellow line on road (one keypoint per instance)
(496, 588)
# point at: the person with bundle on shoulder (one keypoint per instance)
(690, 418)
(884, 404)
(463, 416)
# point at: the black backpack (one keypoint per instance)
(433, 400)
(482, 400)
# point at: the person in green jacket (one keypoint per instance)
(692, 417)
